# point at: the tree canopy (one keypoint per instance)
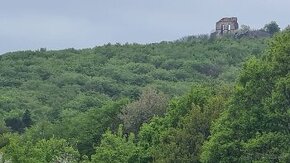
(255, 127)
(196, 99)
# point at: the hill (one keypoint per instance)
(69, 98)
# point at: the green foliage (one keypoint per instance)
(255, 128)
(150, 103)
(179, 135)
(115, 148)
(86, 129)
(20, 150)
(272, 27)
(18, 124)
(70, 98)
(15, 124)
(26, 119)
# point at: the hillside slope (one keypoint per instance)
(83, 79)
(76, 95)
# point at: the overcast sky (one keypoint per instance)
(58, 24)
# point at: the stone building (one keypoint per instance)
(227, 25)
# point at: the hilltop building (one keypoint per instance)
(227, 25)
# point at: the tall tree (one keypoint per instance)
(26, 119)
(115, 148)
(272, 27)
(255, 128)
(150, 103)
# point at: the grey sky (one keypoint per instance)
(58, 24)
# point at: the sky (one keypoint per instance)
(60, 24)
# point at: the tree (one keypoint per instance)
(15, 124)
(26, 119)
(179, 135)
(85, 129)
(272, 27)
(71, 93)
(151, 103)
(18, 124)
(255, 126)
(20, 149)
(115, 148)
(245, 28)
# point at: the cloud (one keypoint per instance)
(55, 24)
(43, 27)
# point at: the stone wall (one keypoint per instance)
(227, 25)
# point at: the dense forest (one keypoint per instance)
(196, 99)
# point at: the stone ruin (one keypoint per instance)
(227, 26)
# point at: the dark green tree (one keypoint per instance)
(255, 127)
(272, 27)
(26, 119)
(15, 124)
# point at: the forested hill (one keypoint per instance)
(50, 82)
(141, 103)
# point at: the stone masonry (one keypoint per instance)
(227, 25)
